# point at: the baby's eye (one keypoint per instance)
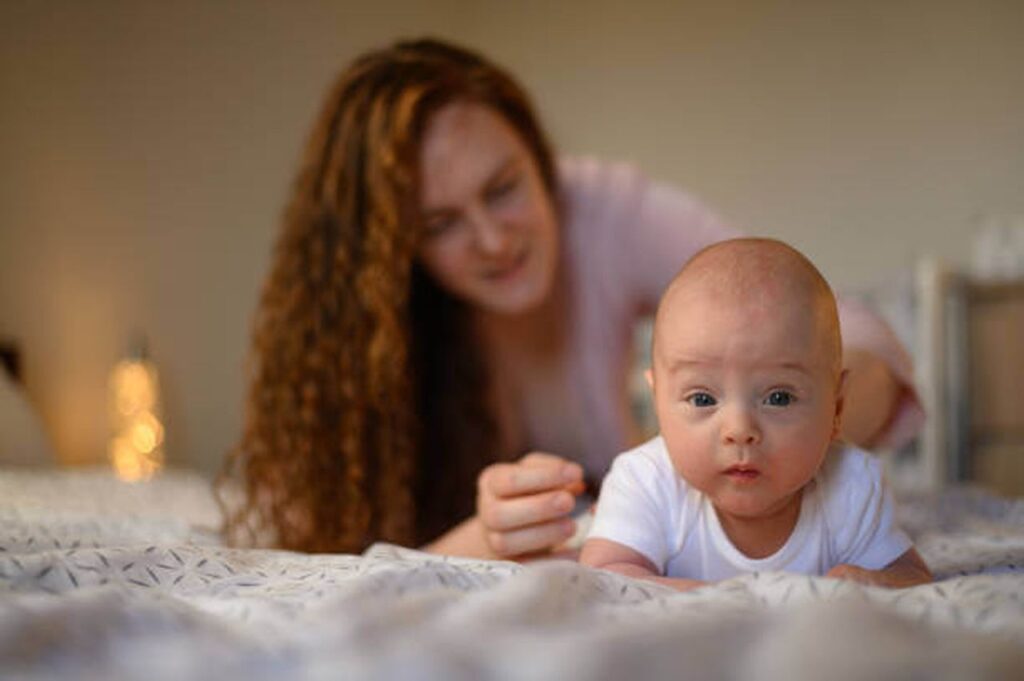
(780, 398)
(701, 400)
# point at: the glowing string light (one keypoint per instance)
(136, 448)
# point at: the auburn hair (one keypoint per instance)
(366, 417)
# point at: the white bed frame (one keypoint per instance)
(940, 354)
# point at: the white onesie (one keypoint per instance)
(846, 516)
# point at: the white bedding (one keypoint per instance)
(103, 580)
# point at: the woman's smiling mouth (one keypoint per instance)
(508, 269)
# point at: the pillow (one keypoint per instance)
(22, 440)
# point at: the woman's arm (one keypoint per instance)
(873, 398)
(465, 539)
(882, 408)
(907, 570)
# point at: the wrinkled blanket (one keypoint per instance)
(101, 580)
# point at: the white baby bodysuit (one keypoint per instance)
(846, 516)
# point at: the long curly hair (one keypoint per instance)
(366, 417)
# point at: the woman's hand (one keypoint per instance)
(523, 507)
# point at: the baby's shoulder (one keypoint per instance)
(651, 457)
(647, 466)
(849, 474)
(845, 461)
(644, 485)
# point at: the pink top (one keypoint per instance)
(625, 237)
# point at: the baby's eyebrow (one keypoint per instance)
(794, 366)
(681, 363)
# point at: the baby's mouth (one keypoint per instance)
(742, 472)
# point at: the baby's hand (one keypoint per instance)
(853, 573)
(907, 570)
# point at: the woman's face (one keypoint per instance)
(490, 227)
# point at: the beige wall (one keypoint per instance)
(145, 150)
(864, 132)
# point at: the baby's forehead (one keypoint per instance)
(714, 314)
(749, 274)
(759, 281)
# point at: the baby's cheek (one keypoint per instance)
(692, 449)
(696, 468)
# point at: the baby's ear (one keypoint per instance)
(837, 419)
(650, 378)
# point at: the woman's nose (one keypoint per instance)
(740, 427)
(490, 236)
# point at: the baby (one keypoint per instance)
(746, 474)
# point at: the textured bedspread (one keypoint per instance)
(104, 580)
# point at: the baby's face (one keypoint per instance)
(747, 397)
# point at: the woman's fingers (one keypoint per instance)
(540, 459)
(577, 488)
(531, 539)
(534, 473)
(501, 515)
(523, 505)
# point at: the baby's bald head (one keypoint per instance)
(766, 279)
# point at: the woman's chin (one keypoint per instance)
(516, 298)
(512, 305)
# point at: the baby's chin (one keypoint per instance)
(749, 505)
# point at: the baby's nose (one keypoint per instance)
(740, 428)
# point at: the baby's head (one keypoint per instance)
(747, 373)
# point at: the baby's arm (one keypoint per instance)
(907, 570)
(610, 555)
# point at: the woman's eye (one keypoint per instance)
(440, 225)
(780, 398)
(502, 189)
(701, 400)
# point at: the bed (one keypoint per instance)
(101, 579)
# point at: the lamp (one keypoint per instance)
(136, 446)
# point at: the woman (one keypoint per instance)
(442, 346)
